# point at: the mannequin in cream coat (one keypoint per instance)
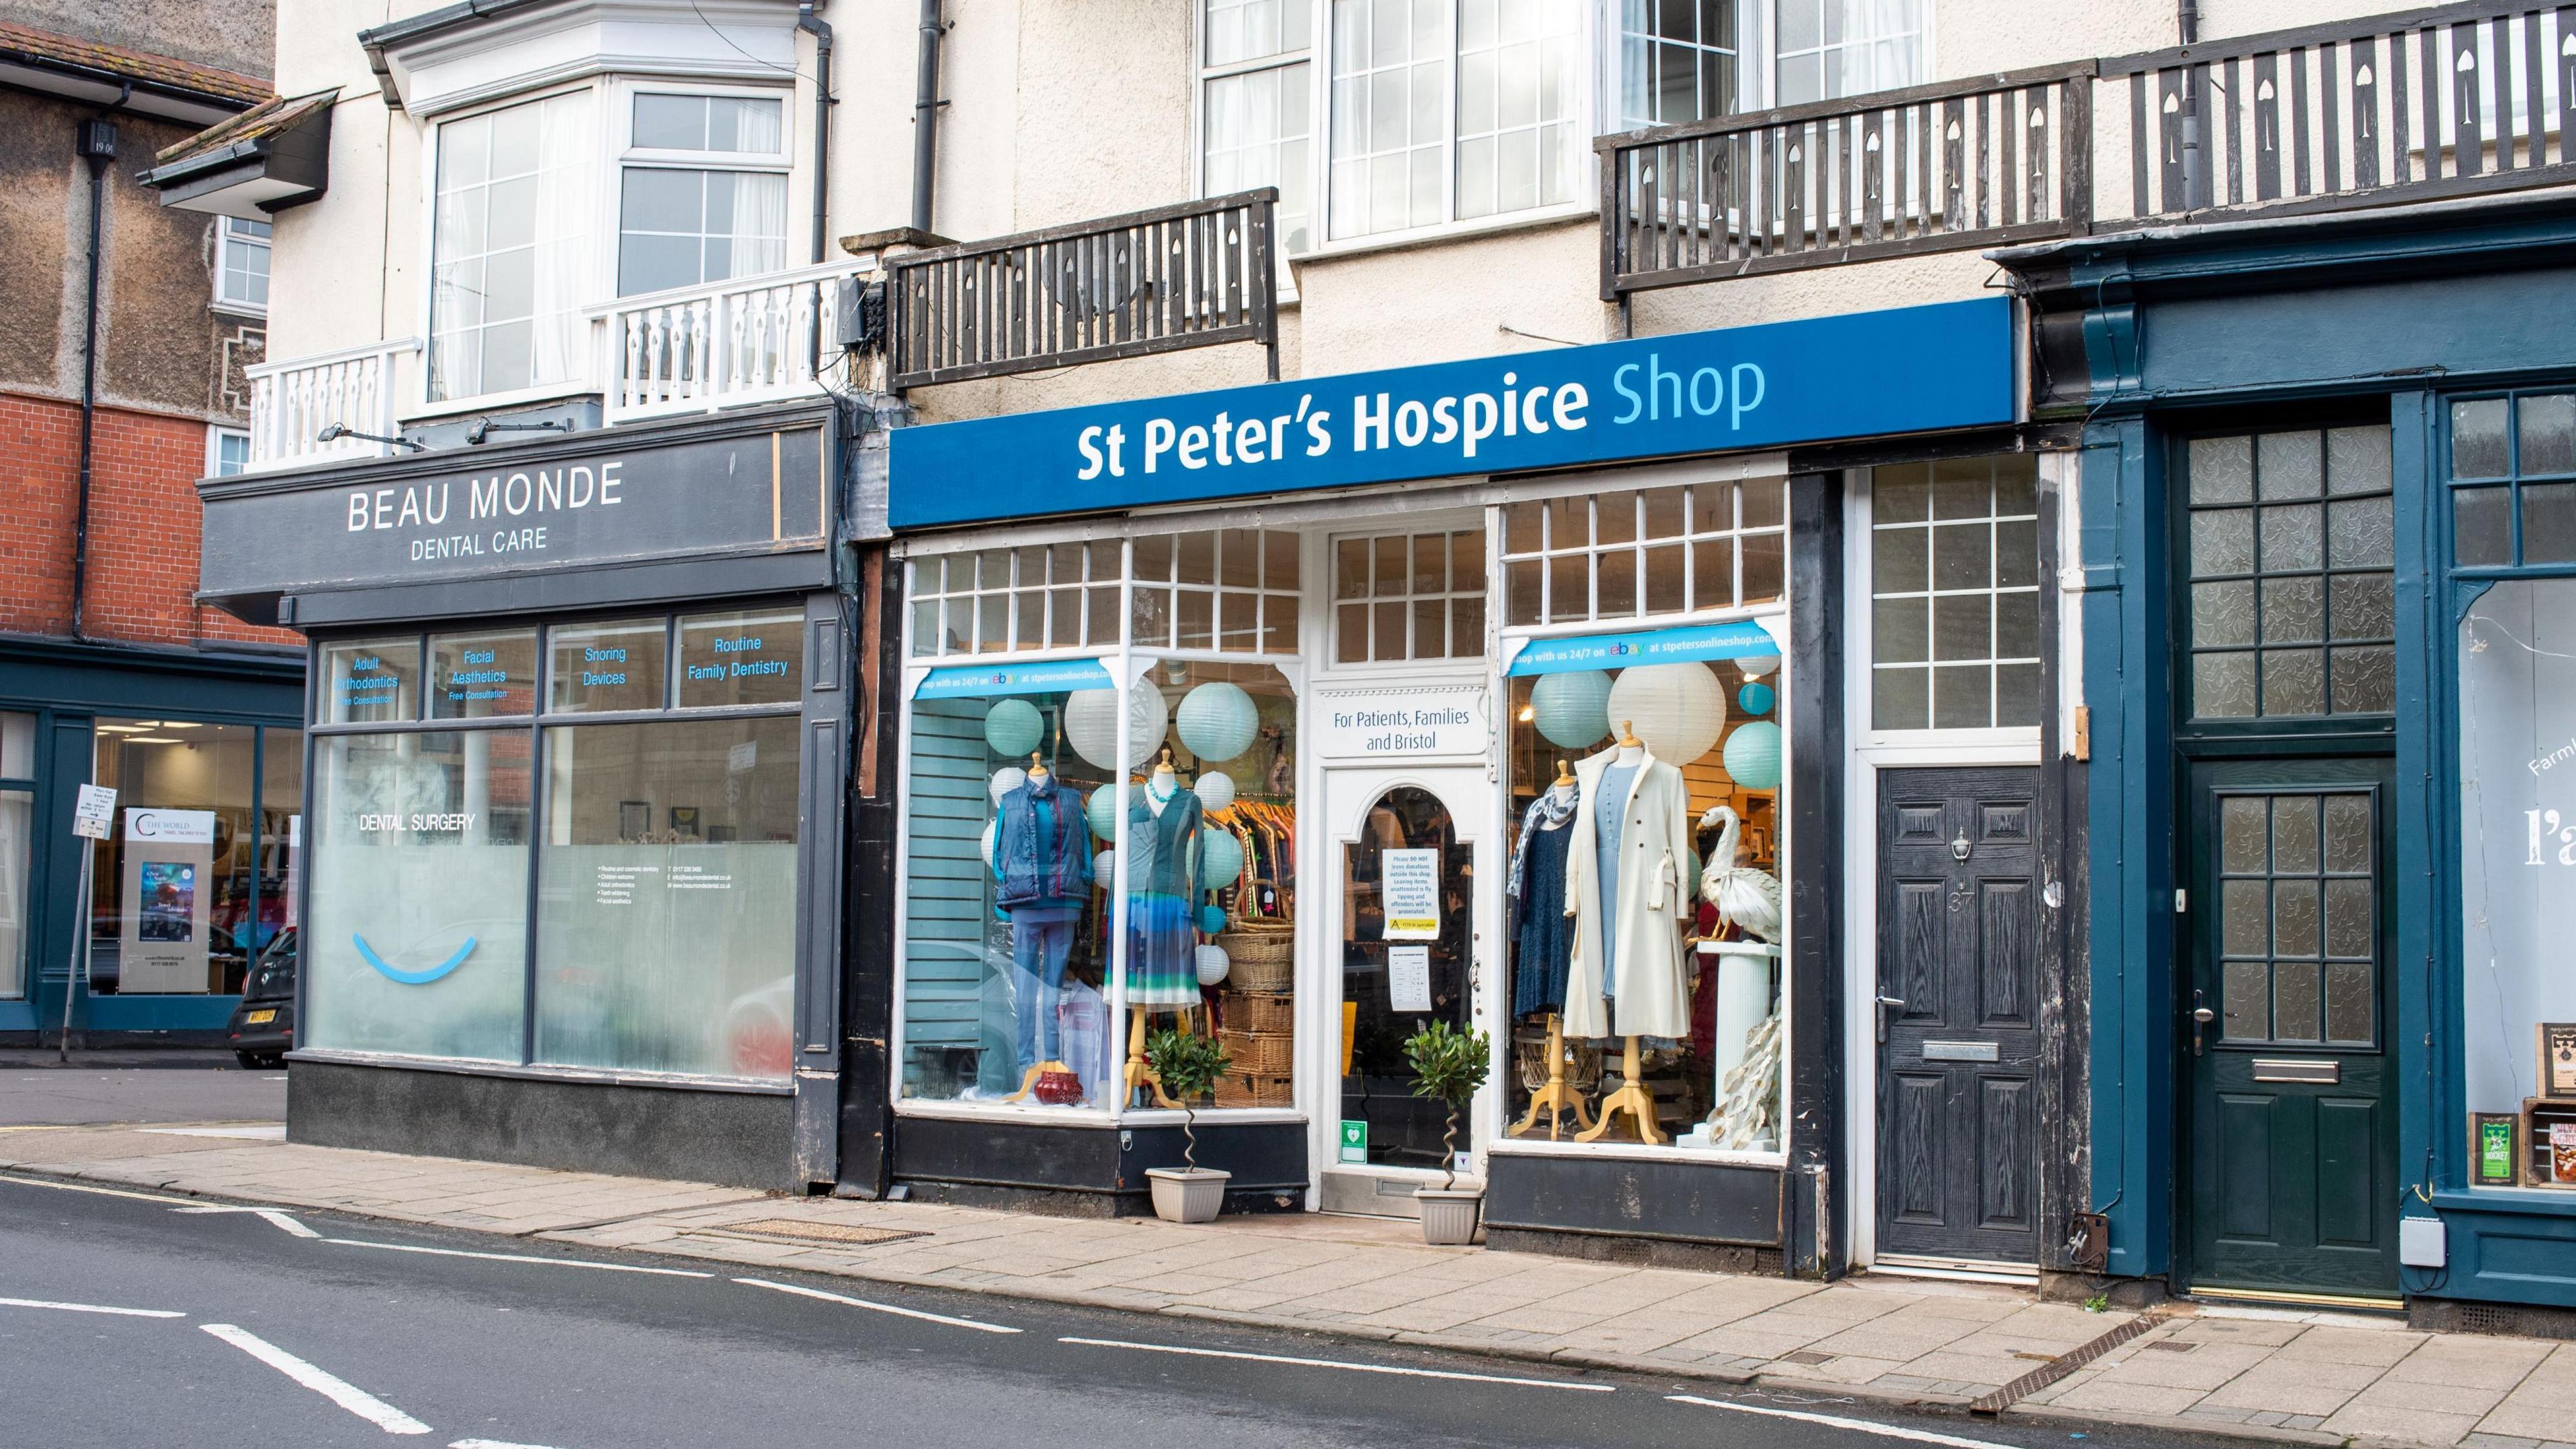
(1653, 994)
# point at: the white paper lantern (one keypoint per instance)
(1753, 755)
(1104, 870)
(1217, 720)
(1212, 964)
(1101, 810)
(1013, 727)
(1215, 790)
(1091, 724)
(1220, 859)
(1679, 710)
(1005, 780)
(992, 836)
(1571, 709)
(1754, 666)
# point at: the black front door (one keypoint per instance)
(2290, 1120)
(1958, 987)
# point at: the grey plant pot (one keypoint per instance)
(1449, 1215)
(1188, 1195)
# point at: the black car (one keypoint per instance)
(262, 1030)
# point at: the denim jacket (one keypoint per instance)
(1041, 852)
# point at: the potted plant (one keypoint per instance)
(1188, 1067)
(1451, 1067)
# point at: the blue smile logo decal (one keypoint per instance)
(392, 972)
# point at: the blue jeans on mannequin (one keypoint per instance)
(1041, 939)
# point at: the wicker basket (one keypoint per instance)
(1264, 958)
(1260, 1053)
(1260, 1011)
(1240, 1089)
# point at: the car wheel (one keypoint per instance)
(252, 1061)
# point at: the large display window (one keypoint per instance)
(17, 846)
(191, 883)
(1100, 844)
(570, 846)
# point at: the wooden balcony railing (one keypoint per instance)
(1193, 275)
(2375, 111)
(1933, 168)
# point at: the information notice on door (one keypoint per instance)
(1408, 977)
(1409, 889)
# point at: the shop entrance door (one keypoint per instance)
(1958, 1015)
(1405, 931)
(2291, 1181)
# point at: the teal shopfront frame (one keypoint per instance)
(2145, 338)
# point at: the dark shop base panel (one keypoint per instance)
(1625, 1210)
(739, 1139)
(1084, 1171)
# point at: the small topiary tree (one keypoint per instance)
(1189, 1067)
(1452, 1067)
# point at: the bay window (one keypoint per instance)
(1677, 61)
(511, 263)
(1258, 105)
(683, 220)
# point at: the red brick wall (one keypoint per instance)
(143, 527)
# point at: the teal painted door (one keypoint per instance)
(2290, 1137)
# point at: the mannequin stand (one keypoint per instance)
(1138, 1073)
(1631, 1098)
(1556, 1096)
(1029, 1078)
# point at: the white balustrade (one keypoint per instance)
(293, 402)
(743, 340)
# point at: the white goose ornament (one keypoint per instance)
(1746, 898)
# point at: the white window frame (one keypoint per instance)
(1769, 56)
(608, 154)
(216, 433)
(624, 154)
(226, 243)
(1208, 74)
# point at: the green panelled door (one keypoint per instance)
(2291, 1108)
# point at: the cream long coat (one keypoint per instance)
(1654, 850)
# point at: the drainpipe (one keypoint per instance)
(812, 24)
(925, 116)
(2187, 21)
(95, 140)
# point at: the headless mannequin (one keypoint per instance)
(1632, 1097)
(1159, 791)
(1556, 1096)
(1038, 775)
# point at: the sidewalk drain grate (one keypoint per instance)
(2049, 1373)
(1807, 1356)
(814, 1232)
(2173, 1345)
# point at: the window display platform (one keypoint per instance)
(1710, 1214)
(1092, 1168)
(737, 1137)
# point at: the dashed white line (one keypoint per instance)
(519, 1258)
(91, 1308)
(1334, 1363)
(491, 1444)
(330, 1386)
(879, 1307)
(275, 1217)
(1857, 1426)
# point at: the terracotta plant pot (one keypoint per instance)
(1449, 1215)
(1188, 1194)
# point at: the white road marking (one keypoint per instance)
(95, 1191)
(519, 1258)
(491, 1444)
(276, 1217)
(1333, 1363)
(91, 1308)
(267, 1132)
(1858, 1426)
(879, 1307)
(338, 1390)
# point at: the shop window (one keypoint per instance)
(1233, 590)
(2513, 466)
(1954, 594)
(418, 943)
(1623, 554)
(680, 224)
(174, 906)
(2517, 799)
(511, 252)
(369, 681)
(2288, 550)
(616, 665)
(1409, 596)
(1014, 925)
(482, 672)
(1257, 105)
(17, 839)
(1677, 61)
(1039, 596)
(666, 897)
(741, 657)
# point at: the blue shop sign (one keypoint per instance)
(1742, 639)
(1869, 374)
(1053, 676)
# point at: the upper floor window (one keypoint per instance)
(1829, 49)
(702, 192)
(1257, 105)
(511, 257)
(241, 266)
(1677, 61)
(227, 452)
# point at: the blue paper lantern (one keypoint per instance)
(1753, 755)
(1102, 811)
(1211, 919)
(1013, 727)
(1572, 709)
(1218, 720)
(1756, 698)
(1220, 859)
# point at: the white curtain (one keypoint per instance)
(759, 223)
(567, 206)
